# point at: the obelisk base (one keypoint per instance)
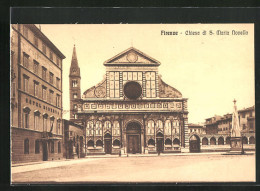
(236, 144)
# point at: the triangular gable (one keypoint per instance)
(132, 56)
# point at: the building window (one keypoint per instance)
(75, 116)
(36, 121)
(52, 146)
(51, 55)
(176, 127)
(58, 61)
(37, 146)
(43, 48)
(59, 147)
(74, 83)
(90, 128)
(44, 73)
(36, 88)
(116, 128)
(35, 67)
(58, 100)
(51, 124)
(243, 115)
(244, 126)
(250, 114)
(58, 83)
(26, 146)
(58, 128)
(107, 125)
(150, 84)
(26, 119)
(51, 96)
(168, 127)
(44, 93)
(159, 124)
(35, 41)
(75, 95)
(75, 106)
(25, 60)
(99, 128)
(251, 126)
(44, 123)
(51, 78)
(25, 31)
(13, 90)
(150, 127)
(114, 84)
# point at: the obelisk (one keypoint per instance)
(236, 142)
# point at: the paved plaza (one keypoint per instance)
(175, 168)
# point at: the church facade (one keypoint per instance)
(131, 110)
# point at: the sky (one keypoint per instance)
(210, 70)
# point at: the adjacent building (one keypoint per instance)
(212, 124)
(36, 96)
(218, 128)
(74, 140)
(132, 110)
(196, 128)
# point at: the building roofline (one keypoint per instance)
(247, 109)
(155, 62)
(45, 39)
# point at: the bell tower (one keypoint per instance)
(74, 78)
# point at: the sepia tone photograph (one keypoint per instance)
(132, 103)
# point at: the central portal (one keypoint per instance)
(133, 133)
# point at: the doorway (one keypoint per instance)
(133, 132)
(194, 144)
(159, 142)
(45, 150)
(133, 144)
(108, 143)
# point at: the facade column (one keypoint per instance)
(125, 142)
(142, 141)
(185, 125)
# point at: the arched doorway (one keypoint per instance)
(251, 140)
(220, 141)
(159, 142)
(205, 141)
(133, 133)
(228, 141)
(108, 143)
(245, 141)
(194, 144)
(212, 141)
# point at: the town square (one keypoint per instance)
(91, 107)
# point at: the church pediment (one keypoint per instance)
(132, 56)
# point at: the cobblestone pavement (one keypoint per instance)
(179, 168)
